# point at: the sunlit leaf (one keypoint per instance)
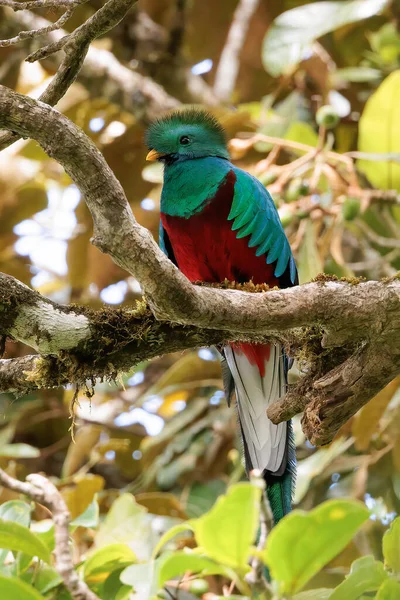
(366, 575)
(18, 538)
(45, 578)
(391, 546)
(389, 590)
(379, 131)
(178, 563)
(302, 543)
(128, 523)
(103, 561)
(227, 531)
(12, 588)
(289, 40)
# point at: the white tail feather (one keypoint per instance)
(265, 441)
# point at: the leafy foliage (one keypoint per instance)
(152, 480)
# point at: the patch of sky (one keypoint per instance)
(115, 293)
(202, 67)
(152, 423)
(96, 124)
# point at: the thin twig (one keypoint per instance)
(23, 35)
(384, 242)
(228, 67)
(33, 4)
(41, 490)
(102, 21)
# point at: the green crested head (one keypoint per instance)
(186, 134)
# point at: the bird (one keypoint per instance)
(218, 222)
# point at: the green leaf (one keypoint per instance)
(102, 562)
(179, 563)
(320, 594)
(302, 132)
(114, 589)
(391, 546)
(16, 511)
(302, 543)
(127, 522)
(309, 261)
(389, 590)
(227, 531)
(90, 517)
(366, 575)
(171, 533)
(379, 132)
(44, 578)
(143, 578)
(289, 40)
(14, 536)
(12, 588)
(19, 451)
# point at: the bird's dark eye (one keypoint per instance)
(184, 140)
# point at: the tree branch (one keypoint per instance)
(228, 66)
(352, 346)
(41, 490)
(76, 46)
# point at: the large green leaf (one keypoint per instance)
(389, 590)
(302, 543)
(366, 575)
(12, 588)
(18, 538)
(227, 531)
(179, 563)
(103, 561)
(289, 40)
(379, 132)
(391, 546)
(127, 522)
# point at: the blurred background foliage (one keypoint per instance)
(164, 432)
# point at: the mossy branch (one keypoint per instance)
(357, 344)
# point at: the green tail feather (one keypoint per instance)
(280, 488)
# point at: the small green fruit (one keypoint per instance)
(285, 215)
(198, 587)
(267, 177)
(351, 208)
(327, 117)
(293, 190)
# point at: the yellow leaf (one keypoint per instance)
(367, 420)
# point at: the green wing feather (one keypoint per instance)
(254, 214)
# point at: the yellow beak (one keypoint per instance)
(154, 155)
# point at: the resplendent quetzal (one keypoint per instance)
(219, 222)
